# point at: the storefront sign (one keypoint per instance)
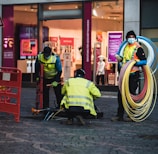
(8, 37)
(114, 42)
(87, 39)
(8, 44)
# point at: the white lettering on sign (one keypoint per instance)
(115, 36)
(67, 41)
(87, 45)
(8, 55)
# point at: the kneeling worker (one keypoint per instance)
(79, 94)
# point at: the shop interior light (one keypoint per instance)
(94, 12)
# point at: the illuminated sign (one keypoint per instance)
(8, 42)
(28, 47)
(114, 42)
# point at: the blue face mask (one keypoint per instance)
(131, 40)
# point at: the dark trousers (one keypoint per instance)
(74, 111)
(100, 77)
(46, 89)
(133, 85)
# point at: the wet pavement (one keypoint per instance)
(32, 135)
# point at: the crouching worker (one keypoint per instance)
(79, 94)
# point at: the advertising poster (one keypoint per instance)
(28, 47)
(114, 42)
(66, 45)
(54, 41)
(67, 52)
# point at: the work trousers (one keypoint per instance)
(133, 85)
(46, 89)
(74, 111)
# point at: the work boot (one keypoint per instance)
(116, 118)
(80, 120)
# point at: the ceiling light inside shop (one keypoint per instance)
(94, 12)
(49, 8)
(98, 12)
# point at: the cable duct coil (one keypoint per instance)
(138, 107)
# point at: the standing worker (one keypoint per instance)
(132, 51)
(79, 94)
(51, 74)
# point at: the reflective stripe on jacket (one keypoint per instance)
(80, 92)
(49, 65)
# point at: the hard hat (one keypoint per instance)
(80, 73)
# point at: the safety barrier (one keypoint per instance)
(10, 91)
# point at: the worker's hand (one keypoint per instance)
(54, 83)
(61, 107)
(141, 63)
(119, 58)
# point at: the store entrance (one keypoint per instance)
(54, 24)
(66, 35)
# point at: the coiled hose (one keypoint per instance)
(140, 106)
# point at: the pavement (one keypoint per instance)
(32, 135)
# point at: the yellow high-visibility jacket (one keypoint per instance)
(49, 65)
(130, 53)
(80, 92)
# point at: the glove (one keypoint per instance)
(54, 83)
(141, 63)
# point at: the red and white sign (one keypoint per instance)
(28, 47)
(67, 41)
(54, 41)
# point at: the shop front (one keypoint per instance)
(73, 30)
